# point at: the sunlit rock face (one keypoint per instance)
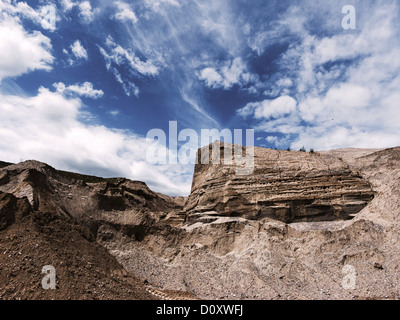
(283, 185)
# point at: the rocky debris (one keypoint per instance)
(175, 218)
(169, 294)
(12, 209)
(84, 269)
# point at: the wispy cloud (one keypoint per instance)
(117, 55)
(120, 60)
(82, 90)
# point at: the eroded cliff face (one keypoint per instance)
(127, 205)
(286, 186)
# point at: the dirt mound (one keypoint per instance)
(31, 240)
(53, 218)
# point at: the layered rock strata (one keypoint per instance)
(286, 186)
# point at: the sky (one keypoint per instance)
(83, 82)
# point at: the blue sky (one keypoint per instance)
(81, 94)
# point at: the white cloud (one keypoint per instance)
(46, 127)
(83, 90)
(338, 104)
(124, 12)
(229, 74)
(278, 141)
(49, 18)
(340, 137)
(269, 108)
(86, 12)
(76, 54)
(68, 5)
(346, 83)
(211, 77)
(79, 51)
(362, 109)
(45, 15)
(20, 51)
(19, 8)
(114, 113)
(272, 139)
